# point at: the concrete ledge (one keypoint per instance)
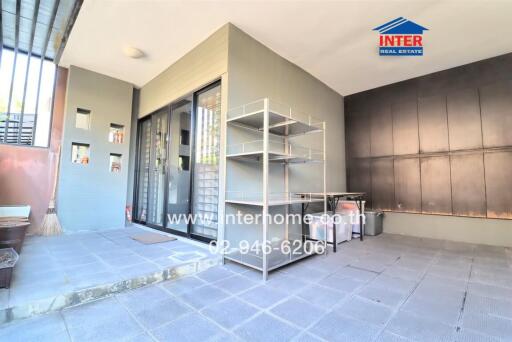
(82, 296)
(483, 231)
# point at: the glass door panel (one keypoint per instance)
(143, 171)
(158, 162)
(206, 162)
(178, 200)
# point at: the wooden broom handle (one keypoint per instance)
(56, 174)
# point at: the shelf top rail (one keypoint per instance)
(281, 115)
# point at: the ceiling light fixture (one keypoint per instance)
(133, 52)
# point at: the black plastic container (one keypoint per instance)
(8, 259)
(12, 235)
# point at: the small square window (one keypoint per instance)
(185, 137)
(83, 119)
(80, 153)
(115, 162)
(116, 134)
(184, 163)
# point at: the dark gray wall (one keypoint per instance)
(436, 144)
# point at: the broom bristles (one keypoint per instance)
(51, 224)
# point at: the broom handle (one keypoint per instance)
(56, 175)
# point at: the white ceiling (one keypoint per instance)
(333, 40)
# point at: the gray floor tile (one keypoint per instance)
(182, 285)
(488, 325)
(387, 336)
(230, 312)
(214, 274)
(419, 329)
(334, 327)
(346, 285)
(355, 273)
(43, 328)
(286, 282)
(263, 296)
(447, 312)
(298, 311)
(394, 283)
(382, 295)
(192, 327)
(235, 284)
(321, 296)
(364, 310)
(306, 337)
(155, 314)
(203, 296)
(146, 295)
(465, 335)
(101, 320)
(476, 304)
(497, 292)
(265, 328)
(402, 272)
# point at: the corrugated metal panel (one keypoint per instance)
(436, 192)
(381, 131)
(468, 187)
(358, 135)
(405, 128)
(359, 178)
(465, 129)
(496, 104)
(407, 185)
(383, 184)
(498, 181)
(433, 124)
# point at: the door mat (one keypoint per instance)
(150, 238)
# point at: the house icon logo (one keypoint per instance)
(400, 37)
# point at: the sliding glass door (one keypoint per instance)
(178, 166)
(178, 199)
(205, 191)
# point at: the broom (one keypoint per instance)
(51, 224)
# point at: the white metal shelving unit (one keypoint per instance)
(274, 121)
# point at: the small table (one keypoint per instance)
(332, 200)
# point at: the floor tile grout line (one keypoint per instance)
(402, 303)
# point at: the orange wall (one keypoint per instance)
(26, 173)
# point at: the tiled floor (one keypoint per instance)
(52, 266)
(388, 288)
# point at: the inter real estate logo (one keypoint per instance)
(400, 37)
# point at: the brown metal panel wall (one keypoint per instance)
(381, 131)
(468, 187)
(498, 181)
(358, 135)
(405, 128)
(407, 185)
(436, 192)
(464, 124)
(383, 187)
(359, 179)
(496, 104)
(463, 142)
(433, 124)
